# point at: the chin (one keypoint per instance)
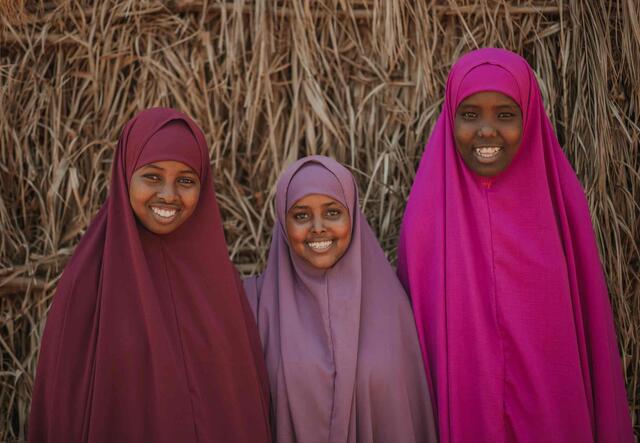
(487, 173)
(324, 265)
(490, 171)
(162, 229)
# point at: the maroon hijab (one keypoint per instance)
(149, 337)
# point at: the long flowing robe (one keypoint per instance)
(149, 337)
(506, 283)
(340, 344)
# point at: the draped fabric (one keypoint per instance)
(149, 337)
(506, 283)
(340, 344)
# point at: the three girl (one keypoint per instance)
(150, 337)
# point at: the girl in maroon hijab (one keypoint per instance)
(336, 326)
(150, 338)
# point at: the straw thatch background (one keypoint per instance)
(270, 81)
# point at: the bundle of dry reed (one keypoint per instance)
(269, 81)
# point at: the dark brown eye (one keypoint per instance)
(186, 181)
(152, 177)
(468, 115)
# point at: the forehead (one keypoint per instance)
(488, 99)
(315, 201)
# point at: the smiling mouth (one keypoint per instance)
(164, 214)
(487, 154)
(320, 246)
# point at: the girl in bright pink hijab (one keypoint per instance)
(150, 337)
(499, 256)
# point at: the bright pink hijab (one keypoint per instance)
(149, 337)
(507, 287)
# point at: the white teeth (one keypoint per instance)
(165, 213)
(487, 151)
(320, 245)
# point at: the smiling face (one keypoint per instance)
(163, 195)
(488, 130)
(319, 230)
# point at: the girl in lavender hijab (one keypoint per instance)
(336, 326)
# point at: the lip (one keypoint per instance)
(331, 244)
(488, 159)
(163, 219)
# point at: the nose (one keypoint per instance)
(318, 225)
(486, 130)
(168, 193)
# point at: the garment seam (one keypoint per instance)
(180, 341)
(333, 355)
(497, 320)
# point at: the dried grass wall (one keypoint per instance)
(270, 81)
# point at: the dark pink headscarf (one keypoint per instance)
(507, 287)
(341, 347)
(149, 337)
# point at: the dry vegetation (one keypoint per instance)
(270, 81)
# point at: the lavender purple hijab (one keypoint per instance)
(340, 345)
(507, 287)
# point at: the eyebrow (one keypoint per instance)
(502, 105)
(324, 204)
(154, 166)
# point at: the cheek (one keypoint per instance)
(139, 194)
(342, 231)
(513, 135)
(344, 240)
(190, 199)
(297, 234)
(462, 133)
